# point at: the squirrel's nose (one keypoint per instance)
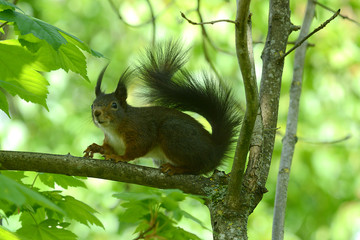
(97, 113)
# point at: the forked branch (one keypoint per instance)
(243, 41)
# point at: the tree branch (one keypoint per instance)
(347, 137)
(304, 38)
(206, 39)
(263, 139)
(333, 11)
(122, 172)
(204, 32)
(151, 20)
(290, 139)
(243, 43)
(203, 23)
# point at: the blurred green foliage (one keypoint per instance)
(324, 188)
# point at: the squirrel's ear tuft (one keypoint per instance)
(121, 91)
(98, 84)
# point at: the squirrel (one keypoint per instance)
(162, 131)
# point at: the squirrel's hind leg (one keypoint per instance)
(173, 170)
(187, 146)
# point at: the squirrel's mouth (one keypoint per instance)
(100, 121)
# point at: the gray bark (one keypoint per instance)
(290, 138)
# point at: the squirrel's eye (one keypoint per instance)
(114, 105)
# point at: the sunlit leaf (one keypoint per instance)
(40, 29)
(46, 230)
(79, 211)
(71, 58)
(7, 235)
(18, 77)
(14, 175)
(4, 105)
(77, 42)
(18, 194)
(67, 57)
(127, 196)
(133, 213)
(61, 180)
(7, 5)
(55, 36)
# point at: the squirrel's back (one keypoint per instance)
(168, 84)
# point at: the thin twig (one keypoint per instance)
(306, 140)
(347, 137)
(153, 223)
(2, 25)
(204, 32)
(113, 7)
(152, 19)
(312, 33)
(331, 10)
(206, 37)
(153, 22)
(203, 23)
(289, 43)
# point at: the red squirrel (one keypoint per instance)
(162, 131)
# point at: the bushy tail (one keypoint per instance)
(172, 86)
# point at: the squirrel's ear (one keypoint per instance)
(121, 91)
(98, 84)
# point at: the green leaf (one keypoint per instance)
(16, 88)
(14, 175)
(191, 217)
(17, 75)
(7, 235)
(134, 213)
(20, 195)
(29, 217)
(177, 233)
(79, 211)
(127, 196)
(77, 42)
(61, 180)
(175, 194)
(8, 208)
(13, 59)
(40, 29)
(46, 230)
(67, 57)
(71, 58)
(7, 5)
(56, 37)
(4, 106)
(169, 204)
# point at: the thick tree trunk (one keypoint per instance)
(229, 220)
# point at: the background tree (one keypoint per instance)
(322, 192)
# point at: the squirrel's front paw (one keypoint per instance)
(93, 148)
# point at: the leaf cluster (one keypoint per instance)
(39, 47)
(43, 215)
(156, 214)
